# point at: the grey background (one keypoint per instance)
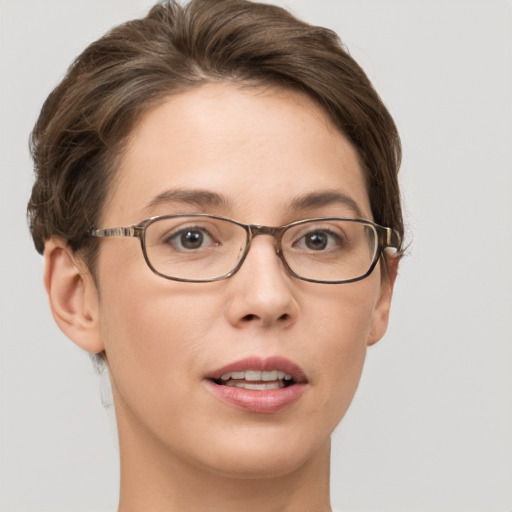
(431, 426)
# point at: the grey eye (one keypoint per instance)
(316, 241)
(190, 239)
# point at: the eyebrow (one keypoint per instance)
(196, 197)
(325, 198)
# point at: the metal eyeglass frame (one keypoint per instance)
(386, 238)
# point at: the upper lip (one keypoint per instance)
(261, 364)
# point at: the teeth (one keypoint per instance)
(266, 376)
(252, 385)
(253, 375)
(257, 376)
(232, 375)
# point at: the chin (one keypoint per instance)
(255, 453)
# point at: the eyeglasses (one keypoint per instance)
(201, 248)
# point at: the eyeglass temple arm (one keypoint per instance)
(391, 241)
(133, 231)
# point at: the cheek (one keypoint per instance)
(154, 345)
(341, 326)
(154, 330)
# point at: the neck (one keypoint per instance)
(154, 478)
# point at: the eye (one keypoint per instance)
(191, 238)
(319, 240)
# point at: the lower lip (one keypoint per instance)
(267, 401)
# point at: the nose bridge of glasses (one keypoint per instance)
(275, 232)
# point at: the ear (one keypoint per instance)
(381, 312)
(73, 296)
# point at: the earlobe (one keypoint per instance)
(381, 313)
(72, 295)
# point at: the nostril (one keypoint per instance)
(250, 317)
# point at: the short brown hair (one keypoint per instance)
(86, 120)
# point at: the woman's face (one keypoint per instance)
(168, 342)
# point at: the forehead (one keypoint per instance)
(258, 150)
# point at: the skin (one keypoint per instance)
(181, 447)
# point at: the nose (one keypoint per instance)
(262, 292)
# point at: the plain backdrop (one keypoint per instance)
(431, 425)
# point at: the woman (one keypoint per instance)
(256, 164)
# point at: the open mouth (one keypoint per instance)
(256, 379)
(258, 385)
